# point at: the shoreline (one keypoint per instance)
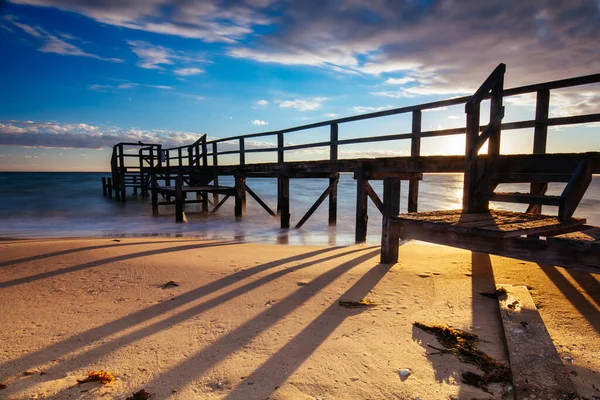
(251, 320)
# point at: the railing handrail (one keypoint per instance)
(485, 87)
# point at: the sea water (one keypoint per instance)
(57, 204)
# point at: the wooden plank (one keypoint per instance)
(485, 88)
(470, 167)
(523, 248)
(536, 367)
(240, 196)
(379, 176)
(584, 240)
(524, 177)
(524, 198)
(494, 224)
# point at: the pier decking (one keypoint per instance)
(196, 168)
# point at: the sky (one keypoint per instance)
(78, 76)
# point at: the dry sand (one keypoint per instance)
(252, 321)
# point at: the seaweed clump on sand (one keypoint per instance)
(98, 376)
(463, 345)
(357, 304)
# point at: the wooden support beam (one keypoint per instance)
(179, 199)
(574, 191)
(283, 202)
(259, 201)
(314, 207)
(375, 199)
(390, 234)
(362, 214)
(413, 195)
(220, 203)
(240, 196)
(496, 116)
(280, 145)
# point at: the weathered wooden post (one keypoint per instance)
(104, 187)
(154, 196)
(179, 198)
(280, 160)
(333, 181)
(240, 196)
(168, 168)
(135, 189)
(109, 187)
(415, 151)
(389, 235)
(362, 217)
(283, 196)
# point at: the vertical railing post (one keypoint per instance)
(190, 155)
(141, 159)
(280, 160)
(154, 188)
(168, 168)
(215, 162)
(540, 135)
(470, 180)
(333, 181)
(283, 202)
(495, 109)
(415, 151)
(204, 152)
(280, 150)
(242, 153)
(122, 183)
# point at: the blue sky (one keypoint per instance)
(78, 76)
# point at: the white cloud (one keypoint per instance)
(151, 56)
(52, 44)
(330, 115)
(303, 105)
(362, 109)
(126, 85)
(400, 81)
(260, 104)
(188, 71)
(259, 122)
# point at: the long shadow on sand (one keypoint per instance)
(63, 348)
(194, 366)
(586, 308)
(61, 271)
(282, 364)
(80, 249)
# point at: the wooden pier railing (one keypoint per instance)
(203, 161)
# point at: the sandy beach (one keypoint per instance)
(254, 321)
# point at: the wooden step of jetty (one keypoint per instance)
(525, 198)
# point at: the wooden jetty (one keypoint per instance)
(175, 173)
